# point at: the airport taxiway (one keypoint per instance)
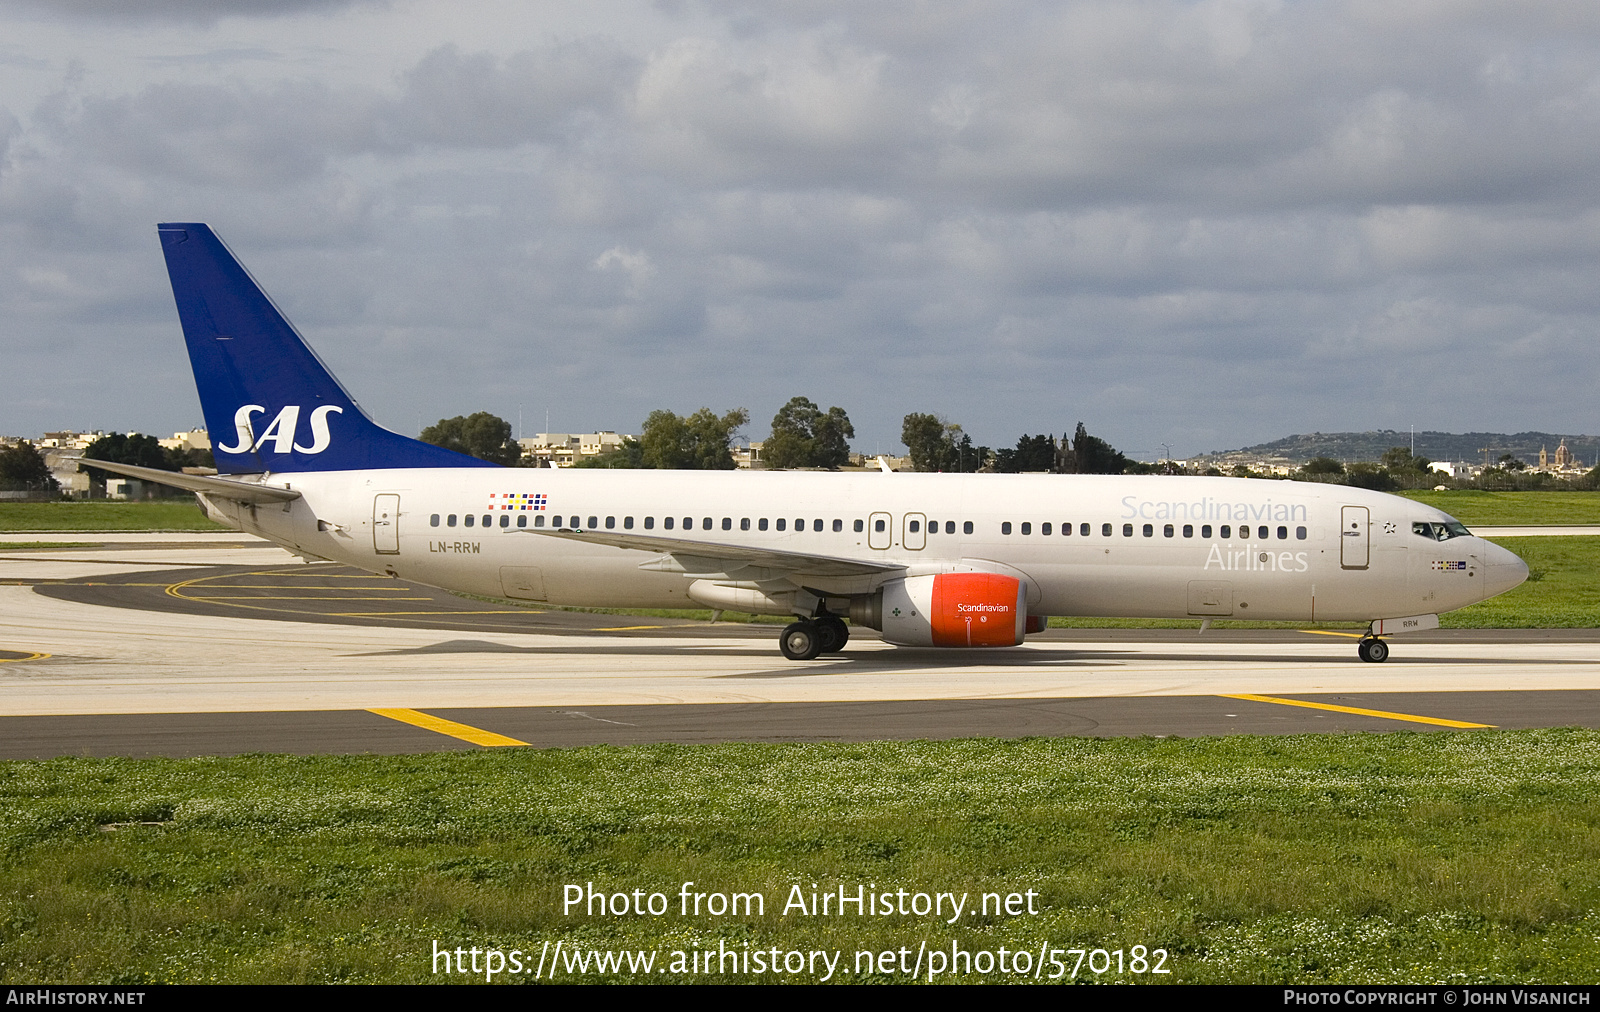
(213, 644)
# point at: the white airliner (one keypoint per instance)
(926, 559)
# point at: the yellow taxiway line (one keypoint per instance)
(1413, 718)
(475, 735)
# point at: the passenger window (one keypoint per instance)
(727, 523)
(1205, 531)
(1005, 528)
(1083, 530)
(1300, 533)
(611, 523)
(860, 526)
(505, 520)
(762, 523)
(627, 523)
(1105, 530)
(838, 525)
(799, 525)
(522, 520)
(744, 523)
(469, 520)
(667, 522)
(1127, 530)
(1263, 533)
(1167, 531)
(816, 525)
(705, 524)
(1149, 530)
(650, 523)
(877, 525)
(1044, 529)
(538, 521)
(1283, 534)
(933, 527)
(1027, 528)
(450, 521)
(688, 523)
(1188, 530)
(782, 523)
(433, 521)
(1227, 532)
(966, 527)
(915, 526)
(949, 526)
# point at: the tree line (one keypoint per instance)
(803, 436)
(23, 467)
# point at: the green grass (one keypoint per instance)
(106, 515)
(1410, 857)
(1562, 590)
(7, 546)
(1501, 509)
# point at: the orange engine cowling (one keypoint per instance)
(955, 610)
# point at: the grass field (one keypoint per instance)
(1409, 857)
(106, 515)
(1506, 509)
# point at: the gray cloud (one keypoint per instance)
(202, 12)
(1199, 224)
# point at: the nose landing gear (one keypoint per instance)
(1373, 649)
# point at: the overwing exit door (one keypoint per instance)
(1355, 541)
(386, 524)
(880, 531)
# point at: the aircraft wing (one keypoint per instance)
(225, 488)
(704, 557)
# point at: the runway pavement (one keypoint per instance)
(218, 644)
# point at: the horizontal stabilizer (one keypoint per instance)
(226, 488)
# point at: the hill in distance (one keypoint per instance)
(1467, 446)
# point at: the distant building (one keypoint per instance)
(69, 440)
(748, 457)
(194, 439)
(1562, 462)
(563, 449)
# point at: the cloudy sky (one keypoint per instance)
(1193, 224)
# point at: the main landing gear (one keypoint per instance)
(1373, 649)
(809, 638)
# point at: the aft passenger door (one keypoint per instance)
(386, 524)
(1355, 537)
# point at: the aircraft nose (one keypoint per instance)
(1502, 570)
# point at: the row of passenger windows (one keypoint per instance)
(667, 523)
(1225, 532)
(879, 526)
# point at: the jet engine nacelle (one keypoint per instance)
(953, 610)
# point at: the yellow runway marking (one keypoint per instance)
(30, 657)
(291, 597)
(303, 590)
(378, 614)
(1332, 632)
(447, 727)
(1413, 718)
(628, 628)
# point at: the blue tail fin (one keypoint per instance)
(270, 403)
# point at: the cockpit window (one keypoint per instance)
(1441, 530)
